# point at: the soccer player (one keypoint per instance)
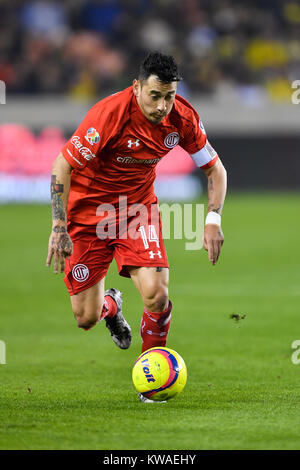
(102, 186)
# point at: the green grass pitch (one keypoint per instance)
(63, 388)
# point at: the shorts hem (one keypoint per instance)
(125, 273)
(77, 290)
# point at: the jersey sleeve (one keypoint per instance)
(196, 144)
(88, 140)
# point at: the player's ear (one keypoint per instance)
(136, 86)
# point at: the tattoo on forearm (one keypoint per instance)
(59, 229)
(57, 189)
(212, 208)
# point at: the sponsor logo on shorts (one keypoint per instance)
(92, 136)
(171, 140)
(84, 151)
(80, 272)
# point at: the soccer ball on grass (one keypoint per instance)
(159, 374)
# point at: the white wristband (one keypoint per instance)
(213, 218)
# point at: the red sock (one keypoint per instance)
(109, 307)
(155, 328)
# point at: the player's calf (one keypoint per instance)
(152, 284)
(87, 305)
(158, 302)
(155, 295)
(155, 327)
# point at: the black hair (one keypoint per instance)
(161, 65)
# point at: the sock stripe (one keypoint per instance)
(155, 328)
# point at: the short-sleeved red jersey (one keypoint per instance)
(115, 149)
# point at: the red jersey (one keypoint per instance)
(115, 150)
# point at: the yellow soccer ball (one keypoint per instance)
(159, 374)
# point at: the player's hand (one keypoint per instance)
(60, 247)
(213, 240)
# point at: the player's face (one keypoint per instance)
(154, 97)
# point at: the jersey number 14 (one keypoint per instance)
(152, 236)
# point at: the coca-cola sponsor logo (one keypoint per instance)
(84, 151)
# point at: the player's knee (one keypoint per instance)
(157, 301)
(86, 323)
(86, 319)
(86, 311)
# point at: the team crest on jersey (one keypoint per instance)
(171, 140)
(92, 136)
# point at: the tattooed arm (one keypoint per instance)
(60, 244)
(216, 188)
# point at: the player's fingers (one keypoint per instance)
(210, 249)
(204, 243)
(62, 266)
(49, 257)
(215, 252)
(219, 246)
(62, 262)
(68, 255)
(68, 250)
(56, 259)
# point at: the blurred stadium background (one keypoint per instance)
(238, 61)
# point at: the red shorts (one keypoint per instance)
(136, 241)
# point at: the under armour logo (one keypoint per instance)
(130, 143)
(152, 254)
